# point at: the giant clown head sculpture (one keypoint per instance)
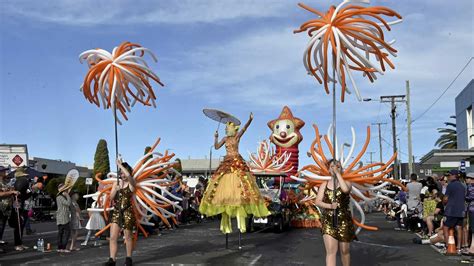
(286, 136)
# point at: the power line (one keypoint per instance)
(401, 152)
(452, 82)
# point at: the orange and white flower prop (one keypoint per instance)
(150, 196)
(119, 79)
(355, 34)
(266, 160)
(368, 182)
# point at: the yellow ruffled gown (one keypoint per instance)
(232, 191)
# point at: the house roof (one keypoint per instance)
(436, 156)
(198, 165)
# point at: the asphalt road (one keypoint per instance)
(204, 244)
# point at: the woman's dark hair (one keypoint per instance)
(128, 167)
(430, 180)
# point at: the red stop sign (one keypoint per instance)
(17, 160)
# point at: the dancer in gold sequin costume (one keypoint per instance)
(123, 217)
(339, 235)
(232, 190)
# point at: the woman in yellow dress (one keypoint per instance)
(232, 190)
(336, 236)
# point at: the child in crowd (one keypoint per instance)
(401, 214)
(75, 220)
(96, 222)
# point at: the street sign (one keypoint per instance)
(17, 160)
(13, 155)
(89, 181)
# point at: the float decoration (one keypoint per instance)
(368, 182)
(286, 136)
(305, 213)
(355, 35)
(119, 79)
(267, 161)
(151, 196)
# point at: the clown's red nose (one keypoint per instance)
(283, 134)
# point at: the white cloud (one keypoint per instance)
(121, 12)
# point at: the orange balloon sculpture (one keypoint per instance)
(355, 34)
(366, 180)
(119, 79)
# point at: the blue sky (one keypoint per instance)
(239, 56)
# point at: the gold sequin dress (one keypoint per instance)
(123, 212)
(232, 191)
(344, 231)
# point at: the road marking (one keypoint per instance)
(255, 260)
(378, 245)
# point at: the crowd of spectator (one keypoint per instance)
(434, 205)
(16, 210)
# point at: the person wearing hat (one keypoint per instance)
(18, 214)
(63, 217)
(7, 194)
(455, 209)
(470, 209)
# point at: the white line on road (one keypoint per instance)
(255, 260)
(377, 245)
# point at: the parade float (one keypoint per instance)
(286, 137)
(269, 167)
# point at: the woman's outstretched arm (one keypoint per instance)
(218, 144)
(242, 131)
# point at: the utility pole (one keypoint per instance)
(380, 138)
(370, 153)
(393, 99)
(410, 154)
(399, 161)
(371, 161)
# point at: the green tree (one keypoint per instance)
(101, 159)
(52, 186)
(448, 138)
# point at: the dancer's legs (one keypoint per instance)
(226, 224)
(114, 235)
(128, 242)
(331, 245)
(344, 249)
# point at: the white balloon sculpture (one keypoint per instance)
(119, 79)
(267, 161)
(355, 34)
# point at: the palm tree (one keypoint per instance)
(448, 138)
